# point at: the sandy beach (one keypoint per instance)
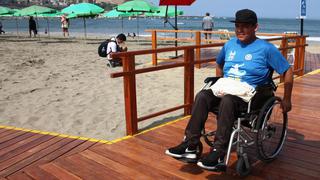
(62, 85)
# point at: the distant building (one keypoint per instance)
(56, 2)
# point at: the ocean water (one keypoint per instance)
(111, 27)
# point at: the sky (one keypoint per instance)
(264, 8)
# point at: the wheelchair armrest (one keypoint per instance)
(211, 79)
(271, 85)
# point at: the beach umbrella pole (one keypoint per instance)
(48, 27)
(85, 27)
(122, 24)
(17, 27)
(138, 26)
(38, 28)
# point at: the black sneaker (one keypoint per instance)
(183, 151)
(214, 161)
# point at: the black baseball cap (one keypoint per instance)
(245, 16)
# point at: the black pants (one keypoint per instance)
(229, 107)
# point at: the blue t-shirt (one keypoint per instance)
(251, 63)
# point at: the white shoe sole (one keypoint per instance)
(212, 168)
(189, 156)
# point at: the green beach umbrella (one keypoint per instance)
(55, 14)
(35, 10)
(137, 6)
(5, 10)
(162, 12)
(17, 13)
(83, 10)
(114, 13)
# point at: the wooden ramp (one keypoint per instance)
(28, 155)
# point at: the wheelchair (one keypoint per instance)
(265, 128)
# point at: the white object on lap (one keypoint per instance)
(234, 87)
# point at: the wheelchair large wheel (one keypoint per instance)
(272, 130)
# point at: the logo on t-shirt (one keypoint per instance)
(231, 55)
(248, 57)
(235, 72)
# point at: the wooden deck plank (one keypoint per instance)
(32, 155)
(22, 146)
(16, 141)
(39, 174)
(86, 168)
(58, 150)
(146, 157)
(4, 139)
(114, 166)
(3, 130)
(7, 133)
(132, 163)
(59, 172)
(19, 176)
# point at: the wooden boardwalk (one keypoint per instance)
(312, 62)
(34, 155)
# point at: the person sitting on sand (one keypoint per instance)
(116, 45)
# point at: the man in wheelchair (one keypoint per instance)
(246, 59)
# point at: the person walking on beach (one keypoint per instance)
(116, 45)
(65, 26)
(32, 27)
(245, 58)
(1, 31)
(207, 25)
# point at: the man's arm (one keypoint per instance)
(219, 70)
(288, 83)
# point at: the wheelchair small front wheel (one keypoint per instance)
(243, 168)
(272, 130)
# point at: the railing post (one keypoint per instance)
(301, 43)
(297, 52)
(130, 95)
(188, 80)
(284, 51)
(198, 53)
(154, 46)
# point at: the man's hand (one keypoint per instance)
(286, 105)
(288, 83)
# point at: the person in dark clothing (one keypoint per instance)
(1, 31)
(245, 59)
(32, 27)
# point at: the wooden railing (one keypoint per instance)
(189, 61)
(195, 37)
